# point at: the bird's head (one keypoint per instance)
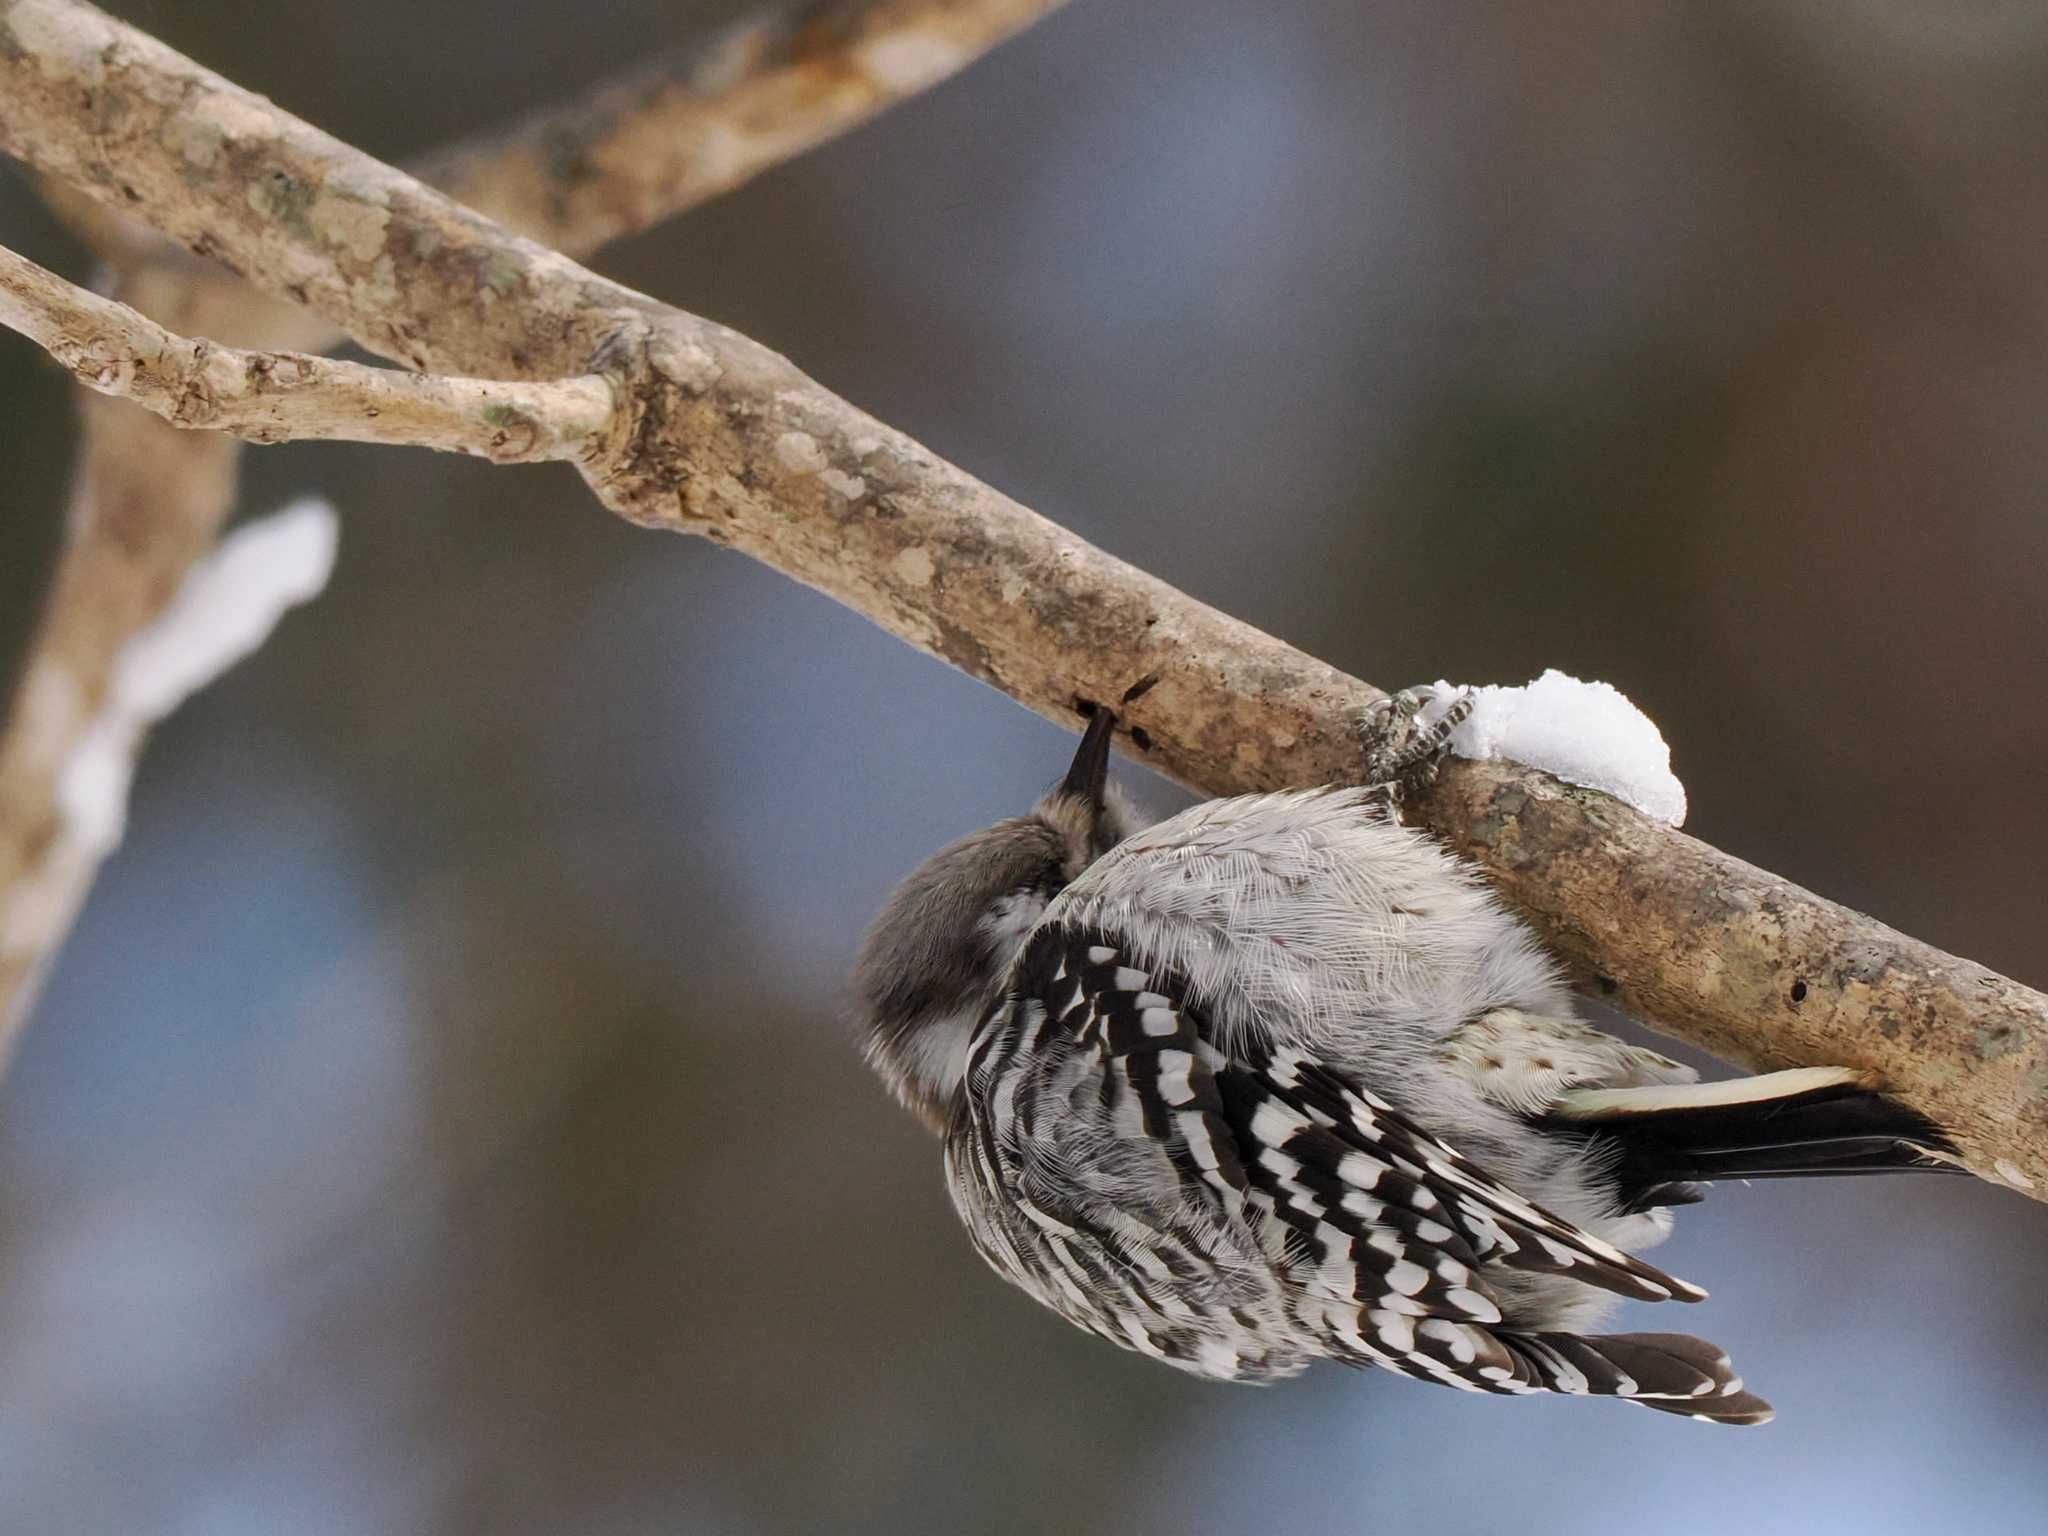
(936, 957)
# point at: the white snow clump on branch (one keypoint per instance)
(1584, 733)
(227, 606)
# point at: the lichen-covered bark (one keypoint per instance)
(735, 444)
(656, 143)
(275, 397)
(1754, 968)
(728, 440)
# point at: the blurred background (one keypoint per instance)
(440, 1120)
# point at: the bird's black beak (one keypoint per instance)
(1090, 773)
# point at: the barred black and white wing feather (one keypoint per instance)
(1241, 1212)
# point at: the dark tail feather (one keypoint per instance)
(1781, 1125)
(1670, 1372)
(1743, 1408)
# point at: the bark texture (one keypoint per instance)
(146, 502)
(274, 397)
(1754, 968)
(715, 116)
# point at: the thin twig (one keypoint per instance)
(275, 397)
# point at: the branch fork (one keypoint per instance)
(277, 397)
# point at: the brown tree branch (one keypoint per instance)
(274, 397)
(224, 608)
(148, 500)
(726, 439)
(639, 150)
(707, 120)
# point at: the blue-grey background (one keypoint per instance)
(439, 1121)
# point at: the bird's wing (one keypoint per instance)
(1377, 1228)
(1315, 1117)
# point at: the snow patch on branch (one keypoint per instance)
(1585, 733)
(227, 606)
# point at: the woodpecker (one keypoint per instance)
(1279, 1079)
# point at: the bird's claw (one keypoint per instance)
(1401, 752)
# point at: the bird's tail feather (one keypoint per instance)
(1816, 1121)
(1670, 1372)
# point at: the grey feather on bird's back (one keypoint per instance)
(1316, 911)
